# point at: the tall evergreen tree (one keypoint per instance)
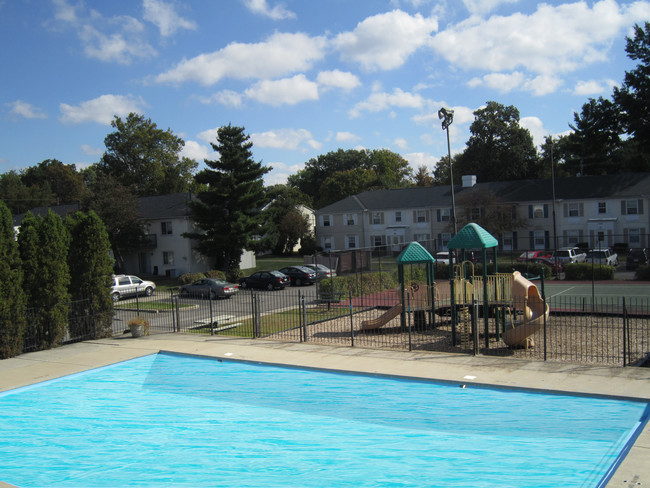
(43, 244)
(91, 269)
(228, 211)
(12, 297)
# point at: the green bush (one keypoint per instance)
(342, 286)
(186, 278)
(587, 272)
(642, 273)
(531, 268)
(215, 273)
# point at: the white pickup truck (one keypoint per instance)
(569, 255)
(603, 256)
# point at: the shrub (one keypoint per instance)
(587, 272)
(342, 286)
(190, 278)
(642, 273)
(216, 274)
(140, 321)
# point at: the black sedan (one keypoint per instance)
(300, 275)
(209, 287)
(269, 280)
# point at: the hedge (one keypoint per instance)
(588, 272)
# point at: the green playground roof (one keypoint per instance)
(472, 236)
(414, 253)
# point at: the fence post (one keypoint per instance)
(475, 326)
(178, 313)
(545, 343)
(351, 321)
(258, 317)
(624, 333)
(211, 316)
(303, 318)
(408, 307)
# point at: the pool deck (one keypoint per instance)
(40, 366)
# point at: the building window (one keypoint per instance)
(444, 214)
(351, 242)
(398, 217)
(634, 237)
(326, 220)
(602, 207)
(538, 211)
(574, 210)
(420, 216)
(422, 238)
(350, 219)
(165, 228)
(378, 218)
(168, 257)
(631, 207)
(539, 241)
(572, 237)
(328, 243)
(377, 241)
(508, 240)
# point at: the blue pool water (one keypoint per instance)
(174, 420)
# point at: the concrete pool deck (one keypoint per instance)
(40, 366)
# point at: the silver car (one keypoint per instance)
(209, 287)
(130, 286)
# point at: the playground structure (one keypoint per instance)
(514, 302)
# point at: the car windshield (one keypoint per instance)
(278, 274)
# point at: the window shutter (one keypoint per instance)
(566, 210)
(415, 216)
(582, 209)
(640, 207)
(531, 236)
(514, 241)
(530, 211)
(546, 210)
(438, 215)
(623, 208)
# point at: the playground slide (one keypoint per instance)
(526, 294)
(383, 319)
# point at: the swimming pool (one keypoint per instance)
(175, 420)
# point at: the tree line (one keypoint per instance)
(55, 277)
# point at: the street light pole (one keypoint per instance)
(554, 218)
(447, 117)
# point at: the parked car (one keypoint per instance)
(130, 286)
(532, 255)
(442, 257)
(635, 258)
(548, 261)
(270, 280)
(321, 270)
(300, 275)
(603, 256)
(569, 255)
(209, 287)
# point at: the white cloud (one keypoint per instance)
(347, 137)
(280, 172)
(164, 16)
(580, 35)
(279, 55)
(288, 91)
(229, 98)
(593, 87)
(338, 79)
(111, 39)
(385, 41)
(261, 7)
(91, 151)
(26, 110)
(209, 136)
(379, 101)
(418, 159)
(401, 143)
(197, 152)
(481, 7)
(536, 128)
(101, 109)
(507, 82)
(288, 139)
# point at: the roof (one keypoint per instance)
(472, 236)
(61, 210)
(172, 206)
(414, 253)
(626, 185)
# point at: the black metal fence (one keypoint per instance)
(606, 331)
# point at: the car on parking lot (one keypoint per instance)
(603, 256)
(555, 267)
(570, 254)
(300, 275)
(635, 258)
(209, 287)
(269, 280)
(532, 255)
(442, 257)
(125, 286)
(322, 271)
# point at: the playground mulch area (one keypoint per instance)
(583, 339)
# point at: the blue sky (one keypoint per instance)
(303, 77)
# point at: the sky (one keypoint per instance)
(302, 77)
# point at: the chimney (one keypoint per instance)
(469, 181)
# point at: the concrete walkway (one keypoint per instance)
(622, 382)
